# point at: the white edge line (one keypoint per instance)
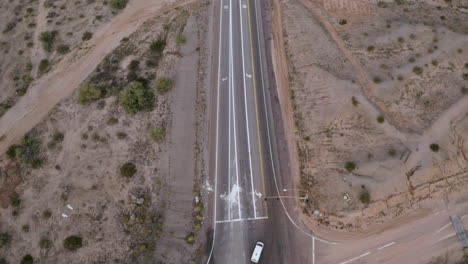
(269, 143)
(313, 250)
(217, 130)
(358, 257)
(387, 245)
(246, 112)
(241, 220)
(234, 109)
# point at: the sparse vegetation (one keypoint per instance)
(118, 4)
(62, 49)
(156, 50)
(128, 170)
(88, 92)
(136, 98)
(27, 153)
(9, 27)
(73, 243)
(5, 239)
(190, 239)
(350, 166)
(370, 48)
(343, 22)
(43, 65)
(364, 197)
(47, 39)
(156, 133)
(377, 80)
(418, 70)
(392, 152)
(87, 36)
(180, 39)
(434, 147)
(45, 243)
(164, 84)
(15, 200)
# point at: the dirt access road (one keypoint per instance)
(65, 77)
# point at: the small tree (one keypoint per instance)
(27, 259)
(73, 243)
(434, 147)
(128, 170)
(118, 4)
(88, 92)
(136, 98)
(164, 84)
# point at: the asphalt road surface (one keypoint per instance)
(250, 164)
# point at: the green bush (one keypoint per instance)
(128, 170)
(27, 259)
(364, 197)
(180, 39)
(434, 147)
(164, 84)
(380, 119)
(118, 4)
(88, 92)
(47, 39)
(350, 166)
(5, 239)
(156, 133)
(73, 243)
(43, 65)
(136, 98)
(87, 36)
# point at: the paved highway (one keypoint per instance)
(245, 170)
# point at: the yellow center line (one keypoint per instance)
(256, 109)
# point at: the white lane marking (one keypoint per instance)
(244, 6)
(217, 134)
(224, 79)
(229, 138)
(442, 228)
(248, 75)
(358, 257)
(241, 220)
(385, 246)
(246, 114)
(313, 250)
(445, 237)
(225, 7)
(234, 105)
(269, 142)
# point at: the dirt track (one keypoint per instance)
(65, 77)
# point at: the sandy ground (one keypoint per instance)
(119, 219)
(337, 99)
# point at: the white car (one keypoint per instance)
(257, 252)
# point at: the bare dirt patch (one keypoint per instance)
(379, 107)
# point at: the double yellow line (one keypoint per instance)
(256, 108)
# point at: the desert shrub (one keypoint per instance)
(158, 46)
(354, 101)
(3, 261)
(134, 65)
(370, 48)
(464, 90)
(112, 121)
(121, 135)
(399, 2)
(43, 65)
(62, 49)
(88, 92)
(128, 169)
(73, 243)
(58, 137)
(5, 239)
(136, 98)
(164, 84)
(47, 39)
(27, 259)
(401, 39)
(190, 239)
(46, 214)
(400, 78)
(434, 147)
(27, 153)
(418, 70)
(180, 39)
(350, 166)
(377, 80)
(118, 4)
(343, 22)
(412, 59)
(156, 49)
(392, 152)
(21, 91)
(380, 119)
(364, 197)
(412, 36)
(382, 4)
(156, 133)
(45, 243)
(9, 27)
(15, 200)
(87, 36)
